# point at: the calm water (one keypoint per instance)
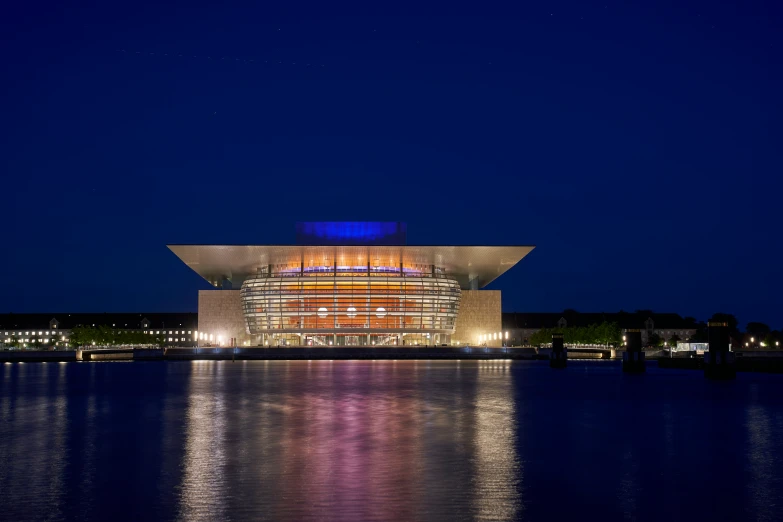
(386, 441)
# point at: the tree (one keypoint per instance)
(759, 330)
(728, 319)
(701, 335)
(603, 333)
(655, 340)
(673, 340)
(82, 336)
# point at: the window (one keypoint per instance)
(170, 339)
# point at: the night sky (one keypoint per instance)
(638, 147)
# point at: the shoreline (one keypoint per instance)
(750, 362)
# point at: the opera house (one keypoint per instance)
(349, 284)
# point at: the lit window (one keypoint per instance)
(156, 333)
(188, 332)
(26, 333)
(170, 332)
(169, 339)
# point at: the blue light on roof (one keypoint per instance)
(351, 233)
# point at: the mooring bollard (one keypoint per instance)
(719, 362)
(633, 358)
(559, 356)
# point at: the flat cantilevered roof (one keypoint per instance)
(236, 262)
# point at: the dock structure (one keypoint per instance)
(559, 356)
(633, 358)
(719, 361)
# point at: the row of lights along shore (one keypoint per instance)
(495, 336)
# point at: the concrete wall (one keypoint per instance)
(479, 313)
(220, 314)
(17, 355)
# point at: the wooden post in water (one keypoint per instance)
(719, 362)
(633, 358)
(559, 356)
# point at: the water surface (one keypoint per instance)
(385, 440)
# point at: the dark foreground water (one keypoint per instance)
(386, 440)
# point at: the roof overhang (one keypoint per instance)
(236, 262)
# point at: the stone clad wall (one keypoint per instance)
(479, 313)
(220, 313)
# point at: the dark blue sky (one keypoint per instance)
(639, 147)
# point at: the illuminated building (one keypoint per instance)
(53, 330)
(350, 284)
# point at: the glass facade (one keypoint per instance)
(351, 304)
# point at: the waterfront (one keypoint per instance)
(385, 440)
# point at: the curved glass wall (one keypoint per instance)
(355, 305)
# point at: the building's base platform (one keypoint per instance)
(352, 352)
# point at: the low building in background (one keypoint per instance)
(666, 326)
(52, 331)
(350, 284)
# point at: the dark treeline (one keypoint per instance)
(603, 333)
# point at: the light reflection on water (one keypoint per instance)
(360, 440)
(384, 440)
